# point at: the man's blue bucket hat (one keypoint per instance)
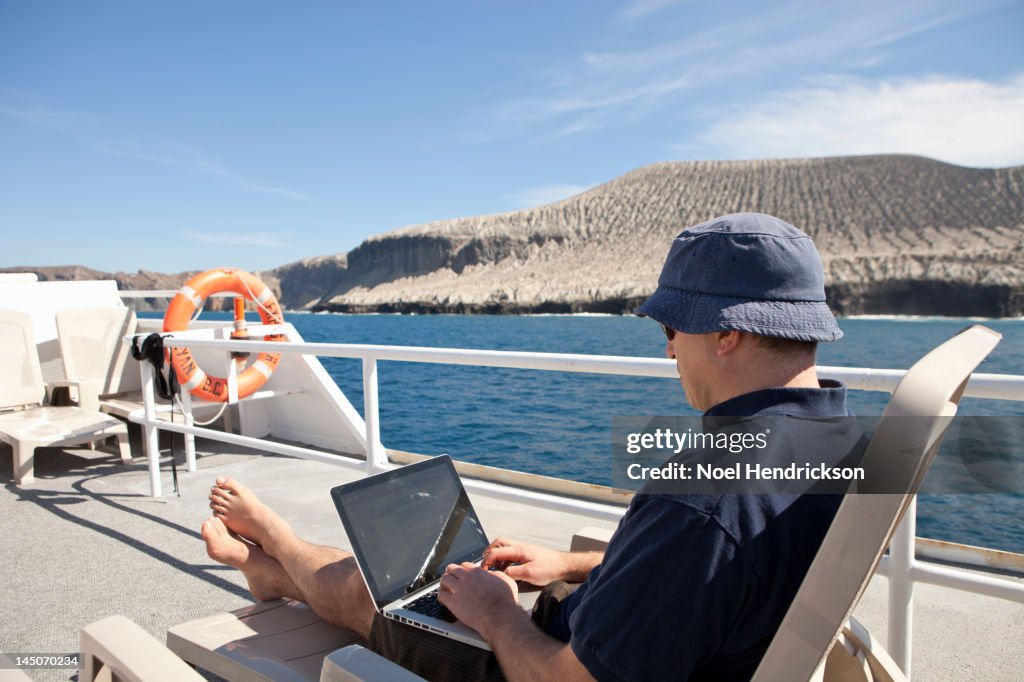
(748, 271)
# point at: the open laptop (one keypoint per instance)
(406, 526)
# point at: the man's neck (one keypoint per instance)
(750, 381)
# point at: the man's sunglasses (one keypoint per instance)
(670, 333)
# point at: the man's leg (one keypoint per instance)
(328, 578)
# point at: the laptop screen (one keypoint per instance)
(407, 525)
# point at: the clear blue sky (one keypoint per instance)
(186, 135)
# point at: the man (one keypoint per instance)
(691, 586)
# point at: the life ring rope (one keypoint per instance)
(186, 306)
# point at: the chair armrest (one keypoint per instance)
(590, 539)
(8, 673)
(130, 653)
(356, 663)
(88, 391)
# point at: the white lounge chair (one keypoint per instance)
(115, 648)
(94, 354)
(8, 673)
(901, 450)
(271, 641)
(818, 640)
(25, 423)
(92, 349)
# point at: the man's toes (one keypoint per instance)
(231, 485)
(215, 526)
(212, 532)
(220, 546)
(221, 493)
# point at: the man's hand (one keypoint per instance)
(478, 597)
(487, 601)
(538, 565)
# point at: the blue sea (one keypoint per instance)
(559, 424)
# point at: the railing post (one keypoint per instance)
(190, 438)
(150, 435)
(901, 589)
(376, 455)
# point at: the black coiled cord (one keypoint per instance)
(152, 351)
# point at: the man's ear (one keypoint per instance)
(727, 341)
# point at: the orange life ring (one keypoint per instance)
(189, 299)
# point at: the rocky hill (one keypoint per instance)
(898, 234)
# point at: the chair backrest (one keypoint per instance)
(21, 380)
(896, 459)
(91, 345)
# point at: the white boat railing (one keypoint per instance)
(901, 566)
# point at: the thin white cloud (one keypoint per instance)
(546, 194)
(609, 86)
(963, 121)
(278, 191)
(639, 9)
(235, 238)
(115, 142)
(587, 110)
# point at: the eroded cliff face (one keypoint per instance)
(302, 284)
(897, 234)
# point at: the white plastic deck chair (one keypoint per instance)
(270, 641)
(899, 454)
(92, 347)
(25, 423)
(96, 360)
(8, 673)
(115, 648)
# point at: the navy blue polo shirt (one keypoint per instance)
(694, 586)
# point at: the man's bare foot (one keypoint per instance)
(267, 579)
(243, 513)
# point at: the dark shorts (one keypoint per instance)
(441, 659)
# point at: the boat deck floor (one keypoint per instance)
(86, 541)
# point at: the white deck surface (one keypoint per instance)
(86, 542)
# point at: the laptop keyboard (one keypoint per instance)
(428, 605)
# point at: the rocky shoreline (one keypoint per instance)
(622, 306)
(904, 298)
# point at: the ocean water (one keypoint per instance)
(559, 424)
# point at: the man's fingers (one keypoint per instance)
(517, 572)
(495, 546)
(504, 553)
(501, 555)
(508, 580)
(451, 576)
